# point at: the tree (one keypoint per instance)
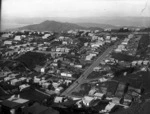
(59, 62)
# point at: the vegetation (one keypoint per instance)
(84, 90)
(143, 45)
(123, 57)
(31, 59)
(94, 74)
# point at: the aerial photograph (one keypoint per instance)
(75, 57)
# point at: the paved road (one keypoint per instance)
(81, 79)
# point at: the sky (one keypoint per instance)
(75, 8)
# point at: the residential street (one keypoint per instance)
(81, 79)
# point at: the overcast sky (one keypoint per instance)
(74, 8)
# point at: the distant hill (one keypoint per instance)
(56, 26)
(52, 26)
(102, 22)
(115, 21)
(98, 25)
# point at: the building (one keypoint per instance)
(7, 42)
(99, 95)
(127, 100)
(109, 107)
(92, 91)
(58, 99)
(23, 86)
(15, 82)
(46, 36)
(86, 100)
(5, 35)
(66, 74)
(113, 38)
(13, 104)
(17, 38)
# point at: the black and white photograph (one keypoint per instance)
(74, 57)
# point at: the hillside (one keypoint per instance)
(102, 22)
(56, 26)
(97, 25)
(52, 26)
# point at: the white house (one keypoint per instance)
(100, 95)
(88, 57)
(41, 82)
(78, 66)
(7, 42)
(113, 38)
(108, 37)
(134, 63)
(5, 35)
(146, 62)
(94, 37)
(139, 62)
(55, 85)
(58, 90)
(118, 50)
(109, 107)
(86, 100)
(100, 38)
(8, 78)
(58, 99)
(22, 78)
(42, 70)
(92, 91)
(95, 45)
(108, 41)
(86, 44)
(130, 36)
(61, 37)
(15, 82)
(46, 36)
(36, 80)
(124, 42)
(45, 85)
(107, 29)
(66, 74)
(98, 68)
(17, 38)
(96, 31)
(64, 42)
(21, 87)
(121, 47)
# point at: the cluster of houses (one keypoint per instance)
(140, 63)
(123, 45)
(117, 94)
(96, 45)
(59, 70)
(15, 44)
(129, 45)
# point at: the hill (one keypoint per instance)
(56, 26)
(98, 25)
(108, 22)
(52, 26)
(117, 21)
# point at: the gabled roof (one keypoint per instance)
(14, 103)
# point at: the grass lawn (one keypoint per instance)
(94, 74)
